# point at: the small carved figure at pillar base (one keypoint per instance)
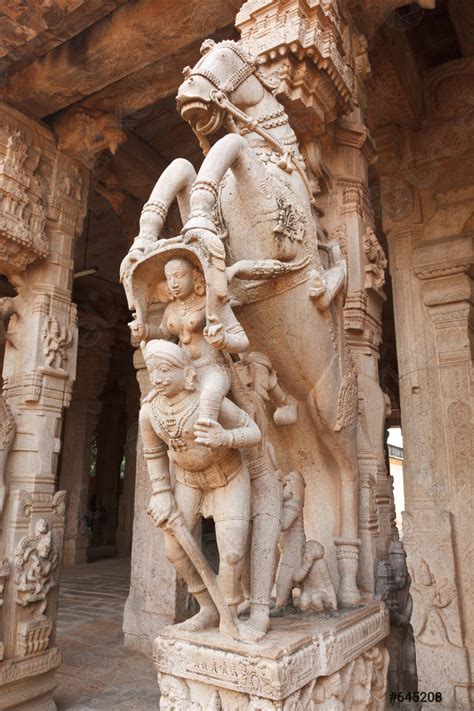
(393, 587)
(317, 589)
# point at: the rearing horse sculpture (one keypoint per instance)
(252, 192)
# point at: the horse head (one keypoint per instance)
(225, 71)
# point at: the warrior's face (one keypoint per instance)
(180, 278)
(167, 378)
(44, 549)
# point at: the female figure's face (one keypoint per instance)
(180, 278)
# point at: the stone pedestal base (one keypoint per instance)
(318, 662)
(28, 683)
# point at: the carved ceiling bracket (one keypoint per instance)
(83, 134)
(22, 214)
(308, 49)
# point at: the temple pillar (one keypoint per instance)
(426, 199)
(348, 218)
(124, 532)
(432, 320)
(43, 195)
(110, 440)
(80, 424)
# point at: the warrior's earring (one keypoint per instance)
(189, 379)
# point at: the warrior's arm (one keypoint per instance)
(240, 429)
(155, 452)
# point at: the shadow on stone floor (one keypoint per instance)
(98, 672)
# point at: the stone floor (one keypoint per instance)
(97, 671)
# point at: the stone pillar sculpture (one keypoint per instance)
(42, 196)
(80, 423)
(256, 269)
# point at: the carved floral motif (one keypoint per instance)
(290, 221)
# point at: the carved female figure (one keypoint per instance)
(201, 337)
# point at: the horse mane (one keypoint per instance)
(270, 83)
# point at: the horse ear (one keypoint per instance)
(187, 71)
(206, 46)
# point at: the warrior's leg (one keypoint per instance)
(265, 511)
(187, 501)
(231, 510)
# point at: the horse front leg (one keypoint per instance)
(322, 404)
(175, 182)
(343, 448)
(231, 151)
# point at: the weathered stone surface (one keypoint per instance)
(30, 30)
(289, 667)
(404, 73)
(430, 248)
(107, 52)
(38, 371)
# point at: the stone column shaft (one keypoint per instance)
(124, 532)
(427, 202)
(43, 196)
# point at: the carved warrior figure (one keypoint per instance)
(302, 561)
(433, 625)
(57, 341)
(36, 559)
(292, 537)
(393, 587)
(250, 212)
(210, 479)
(256, 386)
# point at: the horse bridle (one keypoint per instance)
(220, 96)
(249, 67)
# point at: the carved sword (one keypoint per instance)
(188, 543)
